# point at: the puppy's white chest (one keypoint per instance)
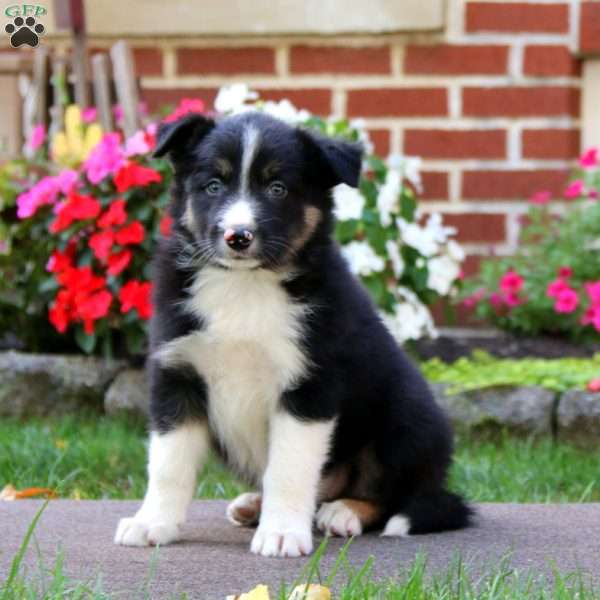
(248, 353)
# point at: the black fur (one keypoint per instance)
(391, 438)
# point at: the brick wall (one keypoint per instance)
(491, 103)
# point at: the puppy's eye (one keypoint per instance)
(214, 187)
(277, 190)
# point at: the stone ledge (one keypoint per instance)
(42, 384)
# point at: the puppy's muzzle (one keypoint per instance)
(238, 239)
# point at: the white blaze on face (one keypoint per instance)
(241, 213)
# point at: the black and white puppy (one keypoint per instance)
(265, 347)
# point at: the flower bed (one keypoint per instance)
(83, 216)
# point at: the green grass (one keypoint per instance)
(102, 457)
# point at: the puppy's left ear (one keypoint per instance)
(179, 137)
(337, 160)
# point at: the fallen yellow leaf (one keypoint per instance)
(313, 591)
(260, 592)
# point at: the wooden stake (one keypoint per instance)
(126, 86)
(101, 79)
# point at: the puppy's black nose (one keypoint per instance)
(238, 239)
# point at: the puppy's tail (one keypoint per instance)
(430, 512)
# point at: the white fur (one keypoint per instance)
(297, 452)
(238, 214)
(174, 460)
(249, 502)
(398, 525)
(250, 143)
(337, 518)
(248, 353)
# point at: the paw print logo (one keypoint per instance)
(24, 31)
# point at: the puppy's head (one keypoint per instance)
(250, 190)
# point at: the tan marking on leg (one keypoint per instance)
(368, 512)
(332, 484)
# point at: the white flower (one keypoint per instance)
(442, 273)
(455, 251)
(285, 111)
(389, 194)
(395, 257)
(362, 258)
(411, 319)
(233, 98)
(349, 202)
(409, 167)
(419, 238)
(437, 230)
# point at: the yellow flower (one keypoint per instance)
(73, 145)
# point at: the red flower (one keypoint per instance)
(81, 279)
(134, 174)
(186, 106)
(165, 225)
(131, 234)
(114, 215)
(101, 243)
(118, 261)
(94, 307)
(59, 316)
(594, 385)
(74, 208)
(60, 261)
(565, 272)
(136, 294)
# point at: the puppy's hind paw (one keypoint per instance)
(244, 511)
(134, 532)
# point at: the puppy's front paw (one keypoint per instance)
(135, 532)
(282, 541)
(337, 518)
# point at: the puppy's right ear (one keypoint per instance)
(179, 137)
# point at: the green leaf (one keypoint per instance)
(86, 342)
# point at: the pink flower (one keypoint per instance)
(593, 194)
(575, 189)
(594, 385)
(511, 283)
(185, 106)
(474, 299)
(44, 192)
(540, 198)
(593, 291)
(566, 301)
(511, 299)
(555, 288)
(497, 301)
(37, 137)
(137, 144)
(589, 158)
(105, 159)
(565, 272)
(89, 114)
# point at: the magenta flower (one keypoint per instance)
(540, 197)
(474, 299)
(565, 272)
(566, 301)
(593, 194)
(37, 137)
(593, 291)
(511, 283)
(512, 299)
(137, 144)
(105, 159)
(555, 288)
(45, 191)
(575, 189)
(589, 158)
(89, 114)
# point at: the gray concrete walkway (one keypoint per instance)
(213, 560)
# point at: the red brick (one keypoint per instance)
(148, 61)
(471, 264)
(511, 185)
(381, 140)
(316, 100)
(435, 185)
(225, 61)
(551, 143)
(515, 17)
(156, 97)
(455, 144)
(589, 27)
(340, 59)
(520, 101)
(477, 227)
(397, 102)
(550, 61)
(456, 60)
